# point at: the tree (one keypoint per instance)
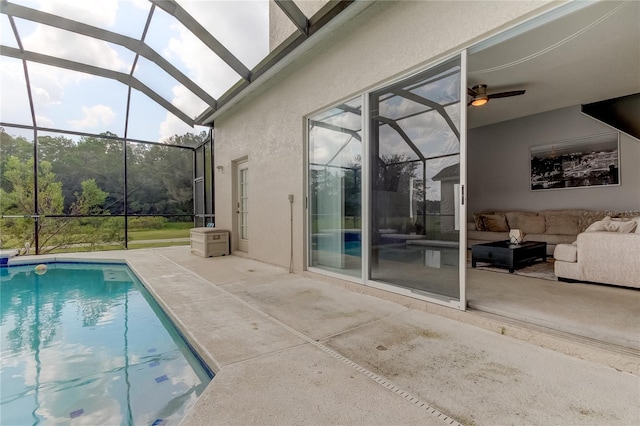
(160, 178)
(87, 177)
(12, 147)
(89, 200)
(88, 158)
(54, 233)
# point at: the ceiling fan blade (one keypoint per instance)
(506, 94)
(471, 92)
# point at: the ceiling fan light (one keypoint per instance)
(479, 100)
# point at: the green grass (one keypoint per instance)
(84, 249)
(159, 234)
(133, 245)
(170, 230)
(178, 225)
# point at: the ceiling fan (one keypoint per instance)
(479, 95)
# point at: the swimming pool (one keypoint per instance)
(86, 343)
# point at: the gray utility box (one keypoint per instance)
(208, 242)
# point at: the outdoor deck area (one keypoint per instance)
(302, 349)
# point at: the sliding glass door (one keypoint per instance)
(415, 153)
(409, 139)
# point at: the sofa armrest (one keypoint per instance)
(610, 257)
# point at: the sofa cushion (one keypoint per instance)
(550, 239)
(561, 224)
(568, 212)
(495, 222)
(485, 236)
(513, 218)
(566, 252)
(532, 224)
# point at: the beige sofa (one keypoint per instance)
(601, 257)
(551, 226)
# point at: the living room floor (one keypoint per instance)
(592, 312)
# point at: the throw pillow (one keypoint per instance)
(613, 225)
(477, 218)
(495, 223)
(532, 224)
(629, 214)
(624, 227)
(599, 225)
(561, 224)
(589, 217)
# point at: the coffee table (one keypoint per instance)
(507, 255)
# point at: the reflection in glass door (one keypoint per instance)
(415, 183)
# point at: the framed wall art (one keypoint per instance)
(576, 163)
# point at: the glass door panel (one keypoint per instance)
(335, 163)
(415, 183)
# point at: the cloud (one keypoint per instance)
(48, 89)
(74, 47)
(187, 102)
(88, 12)
(172, 125)
(44, 121)
(47, 83)
(94, 117)
(200, 63)
(140, 4)
(242, 27)
(14, 102)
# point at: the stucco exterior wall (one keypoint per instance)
(385, 41)
(280, 27)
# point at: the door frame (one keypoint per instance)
(238, 244)
(461, 303)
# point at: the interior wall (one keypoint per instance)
(499, 165)
(388, 39)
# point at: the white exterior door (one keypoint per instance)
(242, 207)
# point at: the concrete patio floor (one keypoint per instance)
(301, 349)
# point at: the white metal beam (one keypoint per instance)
(175, 10)
(97, 71)
(132, 44)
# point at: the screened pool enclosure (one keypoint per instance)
(106, 121)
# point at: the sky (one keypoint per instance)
(81, 102)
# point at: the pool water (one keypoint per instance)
(86, 344)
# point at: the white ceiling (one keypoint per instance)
(590, 55)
